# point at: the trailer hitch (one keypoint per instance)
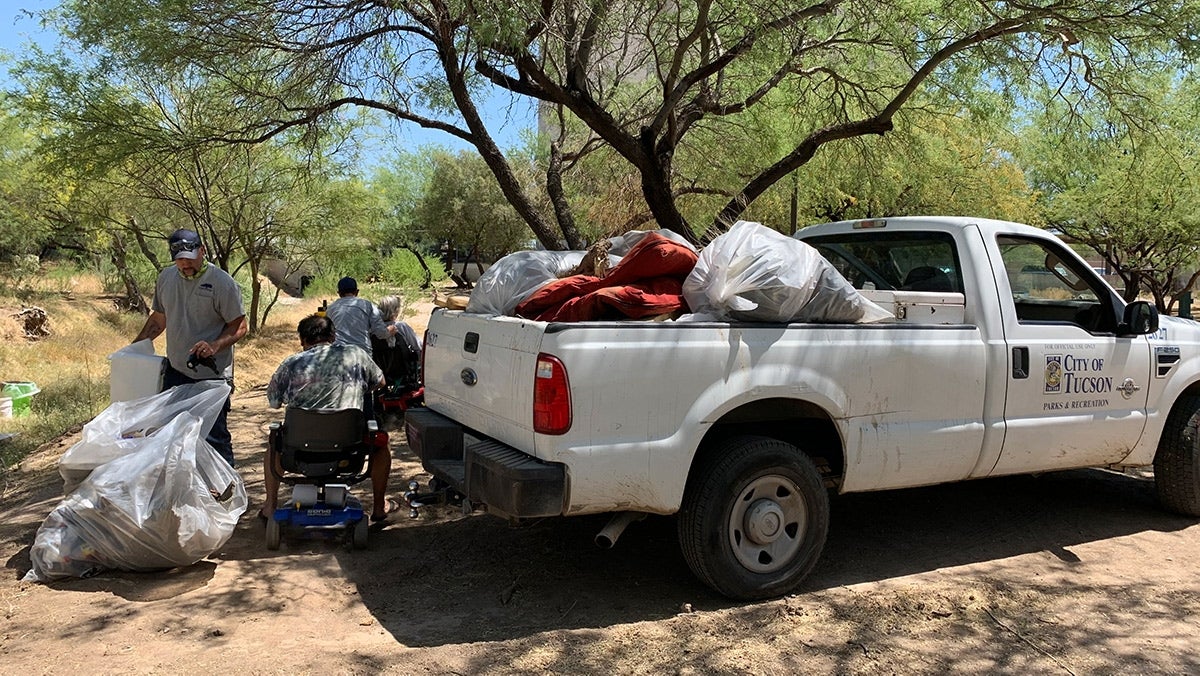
(439, 493)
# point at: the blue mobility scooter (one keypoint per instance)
(322, 453)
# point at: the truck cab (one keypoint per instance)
(1076, 370)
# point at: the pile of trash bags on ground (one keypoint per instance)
(750, 273)
(144, 490)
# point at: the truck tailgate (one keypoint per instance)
(479, 370)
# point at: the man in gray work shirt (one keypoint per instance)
(200, 307)
(356, 319)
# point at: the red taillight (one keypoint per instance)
(551, 397)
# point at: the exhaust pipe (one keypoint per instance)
(607, 537)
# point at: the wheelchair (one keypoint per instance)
(322, 453)
(402, 390)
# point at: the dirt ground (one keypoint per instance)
(1076, 572)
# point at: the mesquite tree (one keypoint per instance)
(640, 76)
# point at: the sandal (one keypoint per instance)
(390, 505)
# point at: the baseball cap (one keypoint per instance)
(347, 285)
(184, 244)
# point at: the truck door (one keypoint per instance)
(1077, 392)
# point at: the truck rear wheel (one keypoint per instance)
(754, 518)
(1177, 462)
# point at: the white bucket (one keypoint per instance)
(6, 409)
(135, 372)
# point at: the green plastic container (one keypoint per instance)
(21, 394)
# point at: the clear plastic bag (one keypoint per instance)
(119, 429)
(516, 276)
(169, 502)
(753, 273)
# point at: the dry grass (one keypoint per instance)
(257, 356)
(71, 368)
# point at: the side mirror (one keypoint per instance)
(1141, 317)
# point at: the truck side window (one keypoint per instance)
(1050, 286)
(905, 261)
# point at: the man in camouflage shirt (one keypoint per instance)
(326, 376)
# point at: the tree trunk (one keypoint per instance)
(255, 295)
(270, 304)
(133, 295)
(482, 140)
(424, 266)
(562, 209)
(143, 245)
(1160, 302)
(1133, 287)
(656, 188)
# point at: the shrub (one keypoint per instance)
(402, 269)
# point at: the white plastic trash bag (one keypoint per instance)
(170, 502)
(515, 277)
(753, 273)
(119, 429)
(621, 244)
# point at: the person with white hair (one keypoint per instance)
(399, 355)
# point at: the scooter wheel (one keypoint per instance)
(360, 534)
(274, 534)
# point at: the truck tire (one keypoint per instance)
(754, 518)
(1177, 462)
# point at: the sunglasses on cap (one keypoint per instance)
(184, 245)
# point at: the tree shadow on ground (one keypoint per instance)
(894, 533)
(448, 579)
(475, 579)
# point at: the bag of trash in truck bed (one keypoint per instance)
(750, 273)
(755, 274)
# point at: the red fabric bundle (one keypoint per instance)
(647, 282)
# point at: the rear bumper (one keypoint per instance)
(511, 483)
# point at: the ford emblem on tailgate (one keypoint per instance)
(469, 377)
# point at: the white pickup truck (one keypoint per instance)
(1007, 354)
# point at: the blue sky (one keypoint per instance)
(17, 30)
(505, 122)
